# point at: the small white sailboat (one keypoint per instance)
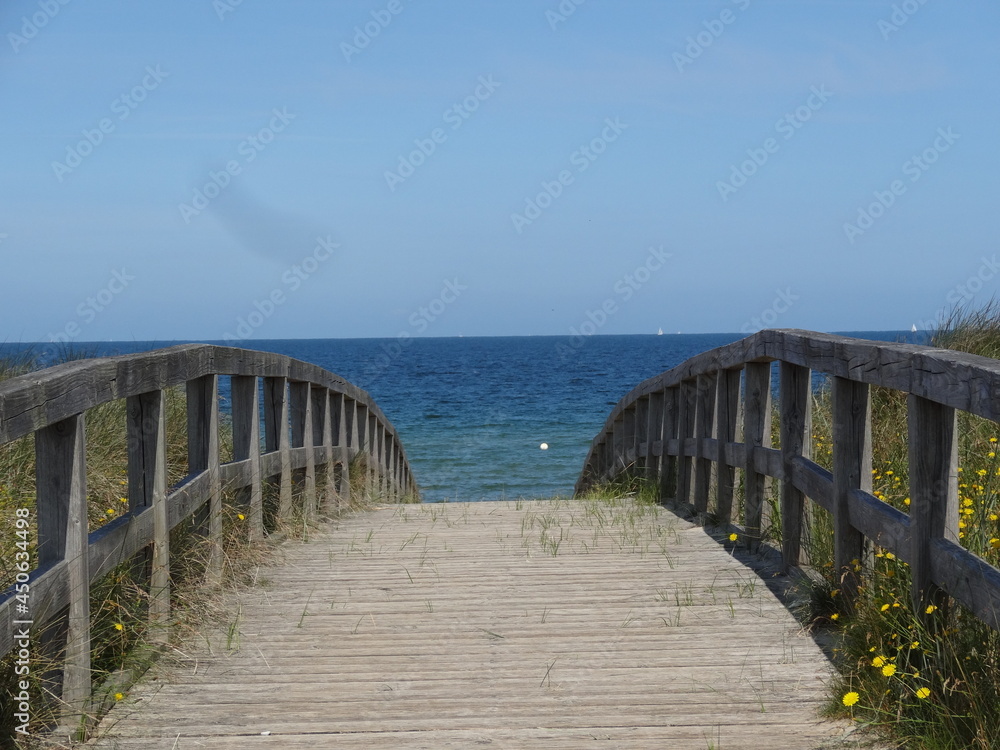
(659, 332)
(913, 328)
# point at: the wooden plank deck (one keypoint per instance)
(530, 624)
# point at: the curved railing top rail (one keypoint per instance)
(962, 381)
(36, 400)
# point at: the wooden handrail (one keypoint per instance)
(690, 428)
(313, 421)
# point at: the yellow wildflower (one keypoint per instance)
(923, 692)
(733, 537)
(930, 608)
(119, 696)
(834, 616)
(850, 698)
(119, 626)
(885, 607)
(878, 661)
(889, 670)
(240, 516)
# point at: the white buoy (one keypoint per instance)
(544, 446)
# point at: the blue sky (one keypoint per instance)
(436, 168)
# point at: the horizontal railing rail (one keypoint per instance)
(313, 421)
(680, 429)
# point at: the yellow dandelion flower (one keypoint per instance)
(923, 692)
(967, 502)
(991, 454)
(994, 517)
(889, 556)
(110, 511)
(995, 543)
(930, 608)
(981, 472)
(119, 696)
(906, 501)
(119, 626)
(850, 698)
(915, 644)
(889, 473)
(878, 661)
(885, 607)
(993, 439)
(122, 481)
(123, 500)
(889, 670)
(896, 604)
(834, 616)
(240, 516)
(733, 537)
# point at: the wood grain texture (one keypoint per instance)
(437, 626)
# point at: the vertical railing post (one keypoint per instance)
(641, 440)
(687, 406)
(756, 434)
(669, 464)
(301, 413)
(346, 422)
(246, 445)
(933, 494)
(795, 442)
(852, 470)
(203, 455)
(61, 492)
(323, 428)
(654, 435)
(628, 440)
(147, 485)
(394, 464)
(618, 458)
(380, 463)
(727, 405)
(361, 445)
(704, 428)
(276, 437)
(372, 454)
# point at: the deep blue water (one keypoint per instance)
(472, 412)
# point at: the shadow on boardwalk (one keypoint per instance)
(542, 624)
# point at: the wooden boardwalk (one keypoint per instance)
(544, 624)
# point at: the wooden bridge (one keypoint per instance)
(520, 624)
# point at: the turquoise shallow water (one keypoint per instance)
(472, 412)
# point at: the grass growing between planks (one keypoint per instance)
(122, 646)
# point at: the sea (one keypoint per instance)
(473, 412)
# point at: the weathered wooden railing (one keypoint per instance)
(313, 421)
(680, 427)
